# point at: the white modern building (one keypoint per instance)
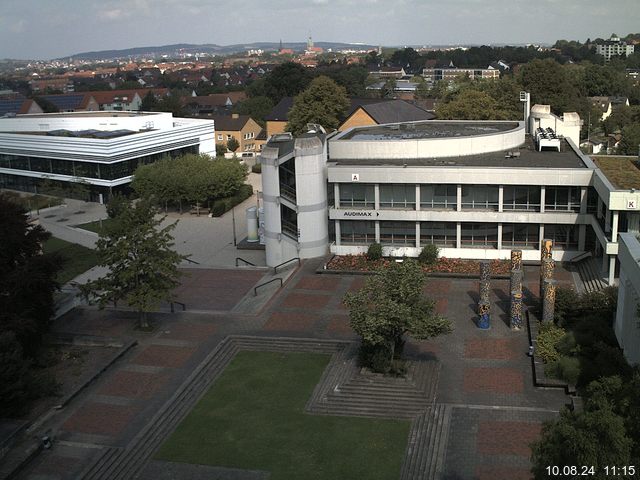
(614, 47)
(477, 189)
(101, 149)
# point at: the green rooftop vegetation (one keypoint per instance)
(622, 172)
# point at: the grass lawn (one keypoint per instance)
(253, 418)
(32, 202)
(95, 226)
(77, 259)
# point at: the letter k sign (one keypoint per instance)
(631, 204)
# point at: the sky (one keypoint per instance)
(45, 29)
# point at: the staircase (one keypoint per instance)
(590, 274)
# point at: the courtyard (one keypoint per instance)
(220, 394)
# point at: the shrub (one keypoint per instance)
(256, 168)
(374, 252)
(222, 205)
(429, 255)
(603, 360)
(217, 209)
(548, 338)
(567, 301)
(568, 369)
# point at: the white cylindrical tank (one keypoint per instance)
(252, 224)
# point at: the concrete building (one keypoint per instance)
(477, 189)
(451, 73)
(627, 322)
(614, 47)
(100, 149)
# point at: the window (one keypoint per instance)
(565, 237)
(401, 234)
(565, 199)
(442, 234)
(229, 137)
(287, 173)
(219, 136)
(357, 195)
(517, 197)
(479, 235)
(354, 232)
(520, 235)
(480, 197)
(398, 196)
(441, 197)
(289, 221)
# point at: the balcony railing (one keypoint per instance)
(288, 192)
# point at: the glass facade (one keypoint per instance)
(357, 195)
(79, 168)
(520, 235)
(479, 235)
(353, 232)
(562, 199)
(289, 221)
(442, 234)
(480, 197)
(401, 234)
(438, 197)
(522, 198)
(401, 196)
(565, 237)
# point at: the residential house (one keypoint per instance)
(241, 127)
(389, 72)
(214, 104)
(279, 116)
(73, 102)
(18, 105)
(366, 111)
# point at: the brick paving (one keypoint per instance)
(506, 438)
(100, 419)
(130, 384)
(484, 379)
(493, 380)
(164, 356)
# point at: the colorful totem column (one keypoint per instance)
(546, 250)
(484, 305)
(547, 268)
(549, 300)
(515, 290)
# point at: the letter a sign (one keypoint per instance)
(355, 177)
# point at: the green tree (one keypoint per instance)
(388, 90)
(27, 278)
(323, 102)
(286, 80)
(233, 144)
(149, 102)
(256, 107)
(472, 105)
(221, 149)
(549, 84)
(117, 204)
(15, 377)
(390, 305)
(142, 265)
(630, 142)
(595, 437)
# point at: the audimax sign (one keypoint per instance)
(360, 213)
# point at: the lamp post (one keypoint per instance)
(233, 220)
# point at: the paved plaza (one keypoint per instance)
(478, 384)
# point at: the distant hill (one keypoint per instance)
(208, 48)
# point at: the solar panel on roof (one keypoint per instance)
(66, 102)
(10, 106)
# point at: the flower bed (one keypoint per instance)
(360, 263)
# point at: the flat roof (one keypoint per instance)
(91, 133)
(429, 129)
(528, 157)
(622, 172)
(101, 113)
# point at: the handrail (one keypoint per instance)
(245, 261)
(275, 269)
(255, 290)
(192, 261)
(582, 256)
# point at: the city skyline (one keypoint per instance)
(35, 29)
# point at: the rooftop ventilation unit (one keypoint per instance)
(547, 139)
(281, 137)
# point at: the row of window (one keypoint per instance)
(474, 197)
(444, 234)
(77, 168)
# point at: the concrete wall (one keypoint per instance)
(627, 323)
(429, 147)
(87, 120)
(568, 125)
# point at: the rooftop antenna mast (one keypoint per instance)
(525, 98)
